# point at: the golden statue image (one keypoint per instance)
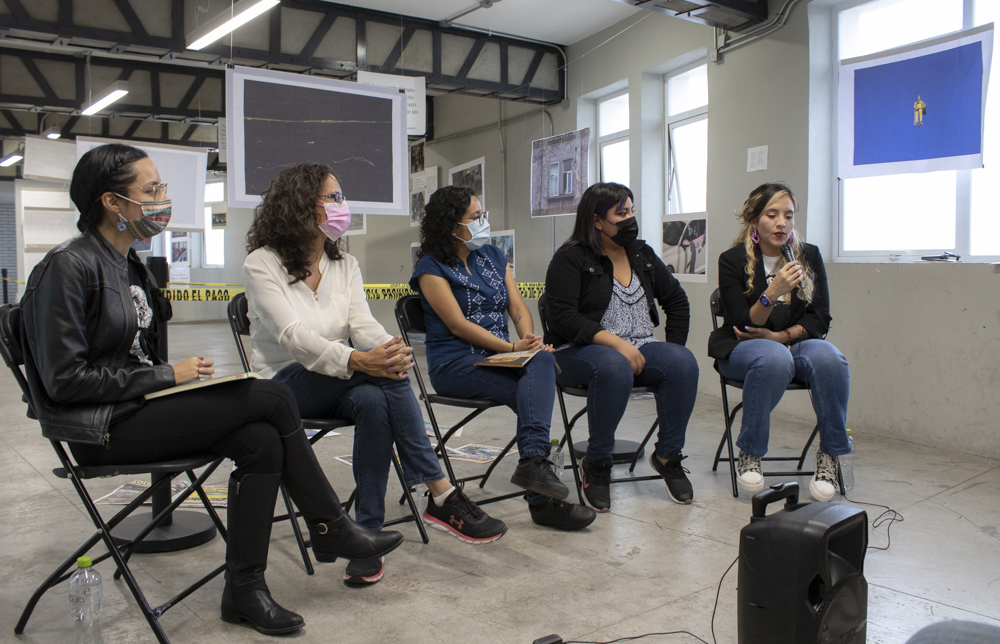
(919, 110)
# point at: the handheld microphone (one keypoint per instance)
(786, 250)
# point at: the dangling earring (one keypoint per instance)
(754, 237)
(791, 235)
(121, 225)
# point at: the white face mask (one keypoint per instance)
(480, 231)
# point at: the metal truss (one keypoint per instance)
(54, 51)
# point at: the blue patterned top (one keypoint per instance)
(482, 296)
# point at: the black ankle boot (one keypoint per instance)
(249, 600)
(246, 598)
(343, 537)
(332, 532)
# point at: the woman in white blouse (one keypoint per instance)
(306, 299)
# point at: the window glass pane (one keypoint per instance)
(687, 91)
(985, 220)
(884, 24)
(215, 242)
(554, 179)
(215, 191)
(900, 212)
(614, 163)
(612, 115)
(689, 159)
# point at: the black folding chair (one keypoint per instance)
(629, 454)
(410, 317)
(118, 550)
(239, 323)
(718, 312)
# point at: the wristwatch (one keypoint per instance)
(766, 302)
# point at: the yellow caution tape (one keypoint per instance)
(529, 291)
(7, 279)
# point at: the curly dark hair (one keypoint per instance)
(107, 168)
(286, 220)
(444, 210)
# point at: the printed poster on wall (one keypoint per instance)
(685, 249)
(559, 173)
(471, 176)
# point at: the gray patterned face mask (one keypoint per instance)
(154, 220)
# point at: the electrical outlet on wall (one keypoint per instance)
(757, 159)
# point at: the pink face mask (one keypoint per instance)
(338, 218)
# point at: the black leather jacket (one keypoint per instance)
(78, 323)
(578, 289)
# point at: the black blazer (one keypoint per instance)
(814, 316)
(579, 285)
(79, 323)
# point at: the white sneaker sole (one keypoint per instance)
(819, 496)
(746, 487)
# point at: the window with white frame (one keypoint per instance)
(214, 239)
(567, 175)
(554, 179)
(686, 93)
(612, 133)
(932, 212)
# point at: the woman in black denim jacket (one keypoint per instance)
(601, 291)
(90, 357)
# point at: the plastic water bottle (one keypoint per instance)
(85, 603)
(557, 457)
(847, 463)
(421, 496)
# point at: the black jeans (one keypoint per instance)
(241, 420)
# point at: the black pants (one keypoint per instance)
(242, 420)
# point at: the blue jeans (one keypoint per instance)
(383, 411)
(608, 377)
(766, 367)
(528, 391)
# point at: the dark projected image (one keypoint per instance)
(286, 125)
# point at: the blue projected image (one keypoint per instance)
(890, 127)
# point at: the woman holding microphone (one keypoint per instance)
(777, 312)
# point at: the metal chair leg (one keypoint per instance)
(496, 461)
(805, 450)
(642, 445)
(290, 507)
(409, 499)
(568, 441)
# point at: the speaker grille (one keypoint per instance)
(844, 614)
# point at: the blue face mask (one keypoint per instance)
(480, 230)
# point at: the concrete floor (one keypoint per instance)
(649, 565)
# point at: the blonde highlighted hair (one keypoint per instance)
(753, 209)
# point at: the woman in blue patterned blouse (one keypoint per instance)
(467, 289)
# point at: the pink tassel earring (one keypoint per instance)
(754, 237)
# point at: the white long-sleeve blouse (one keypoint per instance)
(290, 323)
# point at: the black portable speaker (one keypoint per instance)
(801, 574)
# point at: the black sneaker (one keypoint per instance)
(562, 515)
(462, 518)
(678, 486)
(597, 485)
(535, 473)
(364, 571)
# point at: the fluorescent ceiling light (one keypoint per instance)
(112, 93)
(11, 160)
(52, 133)
(242, 13)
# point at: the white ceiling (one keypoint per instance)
(563, 22)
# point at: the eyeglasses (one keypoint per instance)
(157, 191)
(338, 197)
(483, 219)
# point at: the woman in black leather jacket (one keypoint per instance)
(601, 291)
(91, 355)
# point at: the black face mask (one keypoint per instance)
(628, 231)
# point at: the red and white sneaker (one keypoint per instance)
(365, 571)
